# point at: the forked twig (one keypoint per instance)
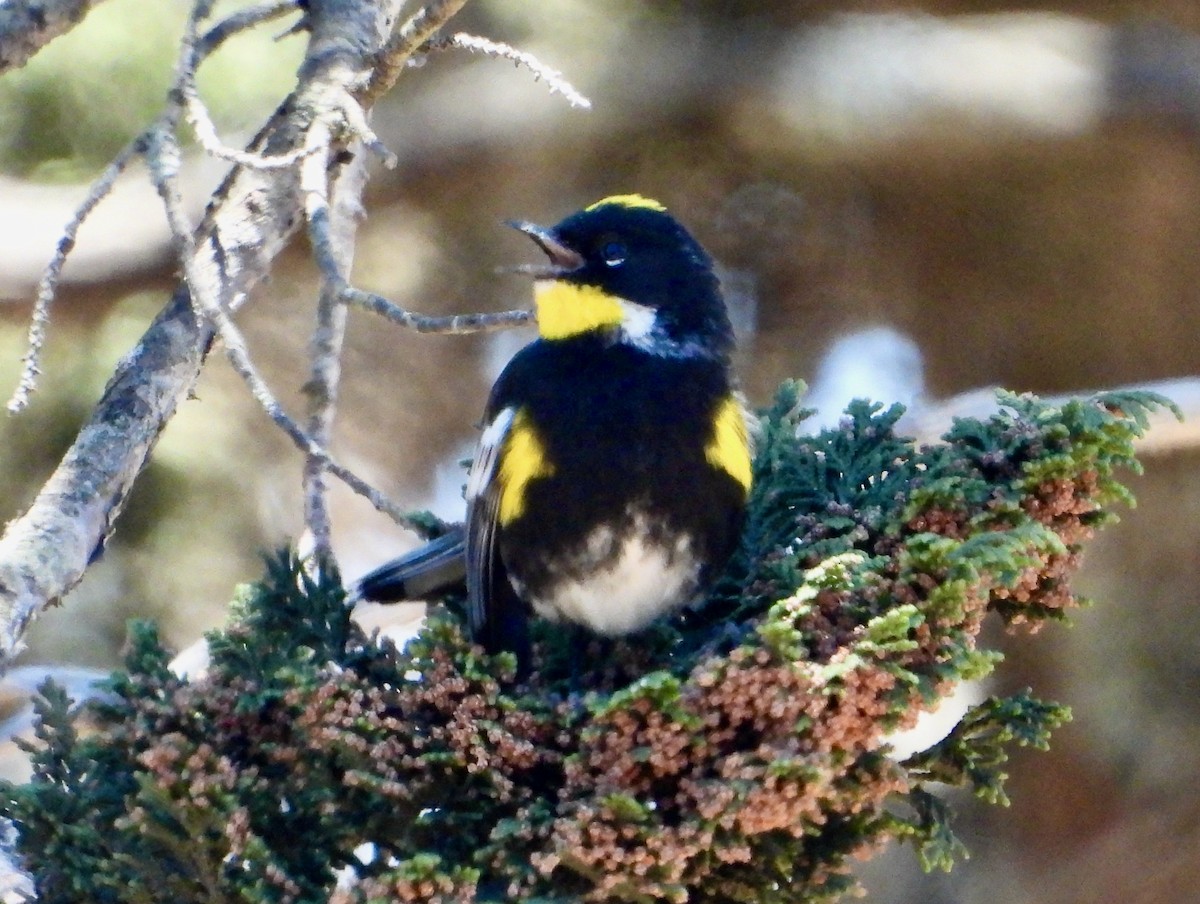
(188, 96)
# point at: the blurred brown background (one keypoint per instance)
(1016, 190)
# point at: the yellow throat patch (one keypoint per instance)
(565, 309)
(729, 446)
(523, 460)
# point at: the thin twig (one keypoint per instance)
(163, 155)
(48, 284)
(453, 324)
(541, 72)
(332, 258)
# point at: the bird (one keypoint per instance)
(612, 473)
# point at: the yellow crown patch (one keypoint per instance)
(629, 201)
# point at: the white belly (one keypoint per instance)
(631, 589)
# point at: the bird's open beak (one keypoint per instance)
(562, 259)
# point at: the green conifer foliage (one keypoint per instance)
(737, 753)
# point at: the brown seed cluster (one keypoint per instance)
(828, 625)
(942, 521)
(664, 797)
(1044, 586)
(667, 794)
(391, 735)
(1065, 505)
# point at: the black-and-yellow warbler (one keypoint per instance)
(612, 473)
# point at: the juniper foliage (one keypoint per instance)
(736, 753)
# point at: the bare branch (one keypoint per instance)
(541, 72)
(455, 324)
(163, 154)
(44, 552)
(26, 26)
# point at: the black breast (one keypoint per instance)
(626, 432)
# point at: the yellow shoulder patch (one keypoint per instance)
(729, 446)
(628, 201)
(567, 309)
(523, 459)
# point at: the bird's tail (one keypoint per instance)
(438, 567)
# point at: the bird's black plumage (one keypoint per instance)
(614, 464)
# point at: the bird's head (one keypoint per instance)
(627, 268)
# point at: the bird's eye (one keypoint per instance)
(614, 253)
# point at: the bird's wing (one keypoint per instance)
(483, 511)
